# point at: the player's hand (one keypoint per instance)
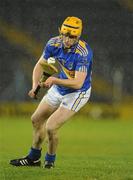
(31, 93)
(49, 82)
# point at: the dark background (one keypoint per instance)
(26, 26)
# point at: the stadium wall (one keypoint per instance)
(92, 110)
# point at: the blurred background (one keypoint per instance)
(26, 26)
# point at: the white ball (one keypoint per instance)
(51, 60)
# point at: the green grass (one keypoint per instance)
(88, 150)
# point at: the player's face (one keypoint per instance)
(69, 40)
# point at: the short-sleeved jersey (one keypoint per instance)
(77, 58)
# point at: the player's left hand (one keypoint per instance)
(49, 82)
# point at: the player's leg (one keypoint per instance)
(39, 117)
(71, 103)
(54, 122)
(46, 107)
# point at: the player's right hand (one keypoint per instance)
(31, 93)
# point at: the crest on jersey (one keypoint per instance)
(70, 65)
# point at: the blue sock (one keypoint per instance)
(50, 158)
(34, 154)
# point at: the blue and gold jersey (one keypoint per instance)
(77, 58)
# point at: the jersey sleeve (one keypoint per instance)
(84, 62)
(47, 52)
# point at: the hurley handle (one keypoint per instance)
(43, 78)
(36, 91)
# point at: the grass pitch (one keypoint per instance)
(88, 150)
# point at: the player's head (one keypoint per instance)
(72, 29)
(72, 25)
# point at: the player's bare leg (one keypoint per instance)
(38, 120)
(54, 122)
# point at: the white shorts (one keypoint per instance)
(72, 101)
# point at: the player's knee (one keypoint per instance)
(50, 128)
(34, 121)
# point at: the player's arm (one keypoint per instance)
(75, 83)
(36, 75)
(37, 72)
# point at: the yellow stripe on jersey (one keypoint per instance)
(68, 73)
(78, 51)
(56, 41)
(56, 45)
(78, 100)
(82, 44)
(81, 48)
